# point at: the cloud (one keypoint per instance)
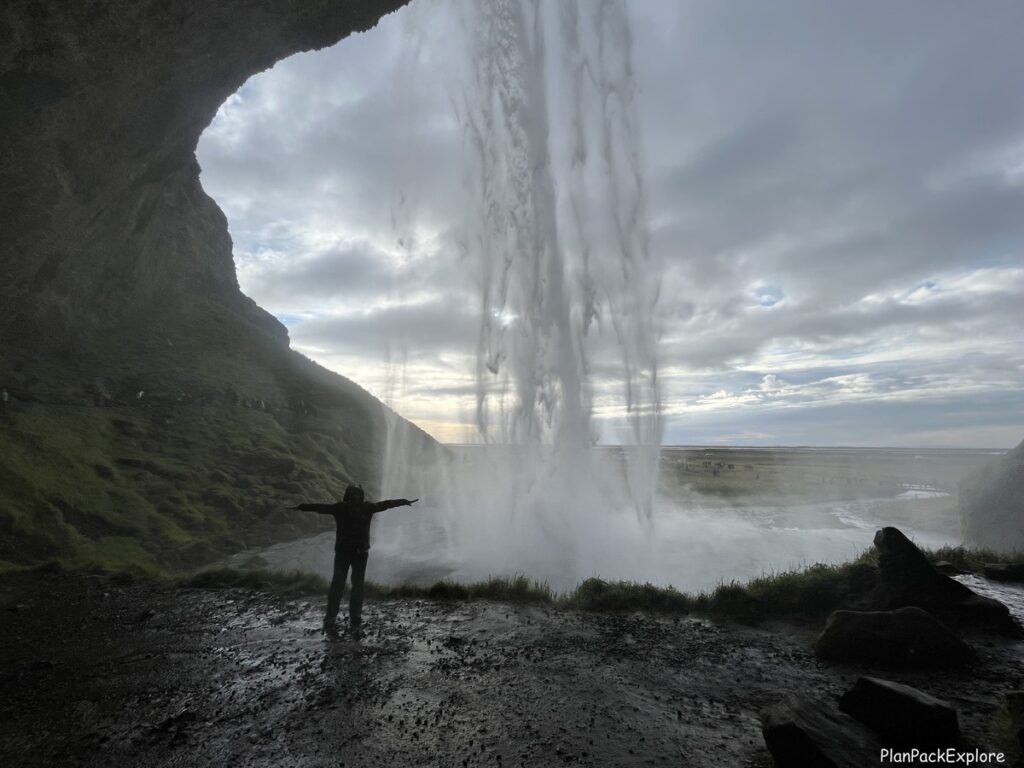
(355, 274)
(834, 195)
(425, 330)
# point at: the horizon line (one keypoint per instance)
(803, 446)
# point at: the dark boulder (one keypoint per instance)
(907, 638)
(808, 733)
(901, 715)
(908, 579)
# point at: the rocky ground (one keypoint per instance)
(95, 671)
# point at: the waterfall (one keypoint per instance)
(567, 349)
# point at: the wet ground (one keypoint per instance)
(94, 672)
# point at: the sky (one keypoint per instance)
(835, 200)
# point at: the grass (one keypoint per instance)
(601, 595)
(804, 594)
(737, 476)
(232, 428)
(813, 592)
(120, 485)
(973, 558)
(515, 589)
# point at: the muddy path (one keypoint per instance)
(98, 673)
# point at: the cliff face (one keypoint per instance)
(124, 335)
(992, 503)
(101, 107)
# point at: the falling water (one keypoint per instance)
(567, 350)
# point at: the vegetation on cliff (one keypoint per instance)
(166, 455)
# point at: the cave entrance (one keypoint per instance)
(338, 173)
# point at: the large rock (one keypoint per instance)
(907, 638)
(992, 503)
(807, 733)
(908, 579)
(101, 108)
(901, 715)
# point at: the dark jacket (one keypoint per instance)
(353, 520)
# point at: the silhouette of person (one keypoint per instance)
(353, 515)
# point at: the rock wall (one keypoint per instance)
(123, 332)
(102, 104)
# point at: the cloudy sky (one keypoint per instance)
(835, 194)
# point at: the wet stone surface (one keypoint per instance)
(96, 673)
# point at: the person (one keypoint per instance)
(353, 515)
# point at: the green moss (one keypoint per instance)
(120, 551)
(75, 476)
(190, 469)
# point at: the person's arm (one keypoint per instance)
(380, 506)
(323, 509)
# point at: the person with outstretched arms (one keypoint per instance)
(353, 515)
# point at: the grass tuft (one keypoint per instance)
(514, 589)
(972, 559)
(601, 595)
